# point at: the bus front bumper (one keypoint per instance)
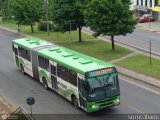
(99, 105)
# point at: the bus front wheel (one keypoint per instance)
(22, 69)
(75, 102)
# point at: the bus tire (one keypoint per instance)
(75, 101)
(45, 85)
(22, 69)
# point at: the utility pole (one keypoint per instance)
(150, 51)
(47, 20)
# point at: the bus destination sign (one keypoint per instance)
(100, 72)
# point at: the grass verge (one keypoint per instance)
(141, 64)
(90, 45)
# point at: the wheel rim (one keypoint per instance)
(75, 102)
(22, 69)
(45, 85)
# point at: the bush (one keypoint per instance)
(42, 26)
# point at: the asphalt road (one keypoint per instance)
(16, 87)
(139, 39)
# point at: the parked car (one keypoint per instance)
(146, 18)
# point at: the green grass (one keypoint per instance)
(11, 25)
(90, 45)
(141, 64)
(97, 48)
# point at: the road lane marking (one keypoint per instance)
(140, 86)
(133, 108)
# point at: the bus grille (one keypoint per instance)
(106, 104)
(107, 100)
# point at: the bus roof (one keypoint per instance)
(74, 60)
(30, 43)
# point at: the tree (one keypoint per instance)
(64, 12)
(4, 9)
(26, 11)
(110, 17)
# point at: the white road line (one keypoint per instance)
(140, 86)
(133, 108)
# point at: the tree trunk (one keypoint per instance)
(112, 40)
(32, 28)
(18, 27)
(80, 37)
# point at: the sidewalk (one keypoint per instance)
(149, 26)
(5, 107)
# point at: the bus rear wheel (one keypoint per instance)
(22, 69)
(75, 102)
(45, 83)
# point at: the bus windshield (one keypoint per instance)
(102, 87)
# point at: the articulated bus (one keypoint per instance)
(88, 83)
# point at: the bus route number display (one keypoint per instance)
(100, 72)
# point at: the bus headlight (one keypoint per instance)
(117, 101)
(95, 107)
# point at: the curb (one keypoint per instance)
(138, 48)
(149, 30)
(126, 72)
(139, 77)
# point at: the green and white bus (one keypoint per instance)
(88, 83)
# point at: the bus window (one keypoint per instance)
(43, 63)
(20, 51)
(27, 56)
(73, 77)
(64, 73)
(59, 70)
(53, 70)
(46, 64)
(24, 53)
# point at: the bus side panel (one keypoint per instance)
(66, 89)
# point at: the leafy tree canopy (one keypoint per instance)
(67, 11)
(110, 17)
(4, 9)
(26, 11)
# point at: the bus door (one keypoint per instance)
(53, 67)
(35, 64)
(82, 92)
(15, 50)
